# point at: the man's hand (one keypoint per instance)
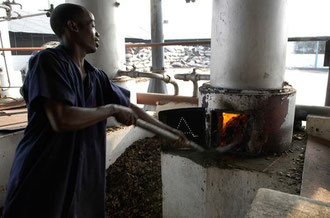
(124, 115)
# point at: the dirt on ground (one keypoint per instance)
(134, 187)
(291, 176)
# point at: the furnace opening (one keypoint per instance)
(232, 128)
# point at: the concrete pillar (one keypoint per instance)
(110, 56)
(10, 80)
(248, 44)
(157, 35)
(156, 85)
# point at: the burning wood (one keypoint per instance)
(232, 128)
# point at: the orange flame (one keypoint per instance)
(232, 127)
(226, 118)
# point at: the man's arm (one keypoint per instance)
(67, 118)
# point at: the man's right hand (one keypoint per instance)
(124, 115)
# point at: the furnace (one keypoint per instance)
(264, 124)
(246, 108)
(247, 69)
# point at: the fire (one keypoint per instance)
(232, 127)
(228, 117)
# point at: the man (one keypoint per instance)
(59, 166)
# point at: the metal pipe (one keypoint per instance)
(21, 17)
(207, 42)
(5, 7)
(26, 16)
(155, 85)
(157, 36)
(155, 129)
(14, 3)
(163, 77)
(153, 98)
(195, 89)
(303, 110)
(23, 49)
(10, 87)
(194, 77)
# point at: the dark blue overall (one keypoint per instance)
(61, 174)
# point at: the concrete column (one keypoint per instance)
(110, 56)
(157, 35)
(248, 44)
(156, 85)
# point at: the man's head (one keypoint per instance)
(76, 24)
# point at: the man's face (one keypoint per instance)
(88, 37)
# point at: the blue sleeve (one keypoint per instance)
(48, 79)
(114, 94)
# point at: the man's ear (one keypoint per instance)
(72, 26)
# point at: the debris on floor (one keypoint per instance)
(134, 187)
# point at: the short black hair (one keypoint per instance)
(62, 13)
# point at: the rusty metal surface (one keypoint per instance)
(152, 98)
(23, 49)
(272, 113)
(13, 119)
